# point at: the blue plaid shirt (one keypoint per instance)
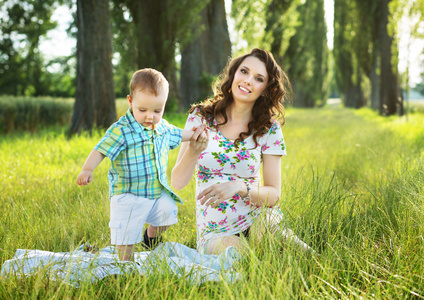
(139, 156)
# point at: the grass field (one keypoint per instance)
(353, 188)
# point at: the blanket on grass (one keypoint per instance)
(80, 266)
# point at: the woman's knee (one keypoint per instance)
(218, 245)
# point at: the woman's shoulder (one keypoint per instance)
(275, 125)
(272, 129)
(195, 117)
(195, 113)
(200, 111)
(196, 109)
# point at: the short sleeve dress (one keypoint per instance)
(224, 161)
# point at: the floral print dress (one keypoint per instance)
(224, 161)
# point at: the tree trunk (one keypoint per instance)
(95, 96)
(155, 39)
(205, 56)
(375, 85)
(305, 59)
(388, 89)
(354, 96)
(399, 104)
(275, 10)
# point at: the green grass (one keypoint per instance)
(353, 188)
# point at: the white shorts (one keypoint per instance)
(129, 213)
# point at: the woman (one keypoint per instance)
(244, 133)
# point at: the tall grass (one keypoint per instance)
(353, 186)
(31, 114)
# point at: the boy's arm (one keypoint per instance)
(93, 160)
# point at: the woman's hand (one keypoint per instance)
(217, 193)
(199, 141)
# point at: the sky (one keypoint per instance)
(410, 51)
(57, 43)
(329, 18)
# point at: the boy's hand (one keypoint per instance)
(84, 177)
(93, 160)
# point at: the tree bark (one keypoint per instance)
(95, 96)
(375, 85)
(305, 59)
(389, 85)
(274, 25)
(156, 39)
(354, 96)
(205, 56)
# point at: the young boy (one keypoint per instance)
(138, 147)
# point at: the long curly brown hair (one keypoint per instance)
(268, 106)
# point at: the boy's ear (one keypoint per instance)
(129, 100)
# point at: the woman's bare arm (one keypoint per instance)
(187, 159)
(267, 194)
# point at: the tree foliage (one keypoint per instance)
(266, 24)
(347, 45)
(22, 24)
(307, 57)
(366, 53)
(409, 14)
(206, 55)
(159, 28)
(189, 42)
(295, 33)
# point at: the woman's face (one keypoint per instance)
(250, 80)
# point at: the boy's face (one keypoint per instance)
(147, 108)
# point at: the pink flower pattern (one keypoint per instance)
(222, 222)
(242, 155)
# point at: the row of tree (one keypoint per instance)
(189, 41)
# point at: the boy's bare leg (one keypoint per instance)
(125, 252)
(152, 236)
(153, 231)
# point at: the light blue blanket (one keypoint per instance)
(79, 266)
